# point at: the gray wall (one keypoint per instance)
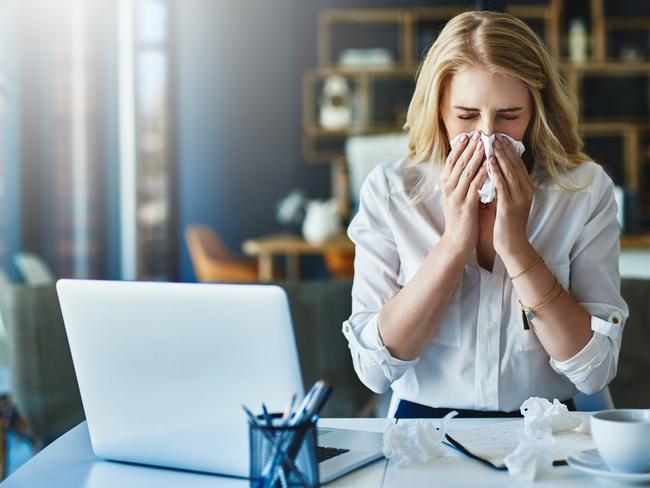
(239, 66)
(238, 116)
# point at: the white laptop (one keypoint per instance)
(164, 368)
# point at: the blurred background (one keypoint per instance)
(206, 140)
(123, 123)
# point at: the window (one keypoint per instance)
(148, 230)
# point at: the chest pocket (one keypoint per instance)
(526, 338)
(448, 332)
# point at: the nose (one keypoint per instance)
(486, 127)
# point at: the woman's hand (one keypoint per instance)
(514, 197)
(461, 178)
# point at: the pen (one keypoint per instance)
(310, 412)
(250, 415)
(289, 408)
(300, 412)
(312, 403)
(277, 450)
(267, 416)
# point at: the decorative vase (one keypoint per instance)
(321, 222)
(335, 104)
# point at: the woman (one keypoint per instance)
(476, 307)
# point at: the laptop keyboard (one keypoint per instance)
(325, 453)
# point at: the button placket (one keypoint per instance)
(494, 340)
(486, 383)
(481, 359)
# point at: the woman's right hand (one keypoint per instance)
(461, 178)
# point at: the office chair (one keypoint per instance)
(213, 261)
(601, 400)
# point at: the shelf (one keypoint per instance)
(631, 241)
(352, 131)
(627, 23)
(608, 67)
(379, 95)
(352, 71)
(369, 15)
(328, 18)
(614, 125)
(437, 13)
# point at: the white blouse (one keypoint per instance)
(481, 357)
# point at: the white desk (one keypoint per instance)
(69, 462)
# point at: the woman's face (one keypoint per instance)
(478, 100)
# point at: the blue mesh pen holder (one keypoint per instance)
(283, 455)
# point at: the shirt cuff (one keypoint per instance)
(368, 344)
(578, 368)
(611, 327)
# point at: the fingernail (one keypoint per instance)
(479, 145)
(463, 138)
(497, 144)
(475, 136)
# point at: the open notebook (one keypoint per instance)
(492, 443)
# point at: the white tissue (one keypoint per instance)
(530, 458)
(542, 417)
(488, 191)
(534, 453)
(412, 441)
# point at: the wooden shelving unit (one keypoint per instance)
(408, 28)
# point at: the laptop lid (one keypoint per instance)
(163, 368)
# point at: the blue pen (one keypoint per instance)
(312, 403)
(250, 415)
(267, 416)
(309, 413)
(300, 411)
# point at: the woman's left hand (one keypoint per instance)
(514, 197)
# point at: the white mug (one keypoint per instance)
(623, 439)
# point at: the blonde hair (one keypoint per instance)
(507, 46)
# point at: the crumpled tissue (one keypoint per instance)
(531, 457)
(542, 417)
(488, 191)
(418, 440)
(534, 453)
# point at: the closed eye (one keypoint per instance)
(473, 116)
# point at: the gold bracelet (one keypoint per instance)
(550, 297)
(551, 300)
(528, 268)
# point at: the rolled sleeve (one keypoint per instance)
(369, 353)
(592, 368)
(595, 284)
(376, 268)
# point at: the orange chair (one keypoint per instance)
(213, 261)
(340, 263)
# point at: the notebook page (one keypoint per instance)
(495, 441)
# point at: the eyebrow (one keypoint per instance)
(469, 109)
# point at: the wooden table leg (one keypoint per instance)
(265, 264)
(293, 267)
